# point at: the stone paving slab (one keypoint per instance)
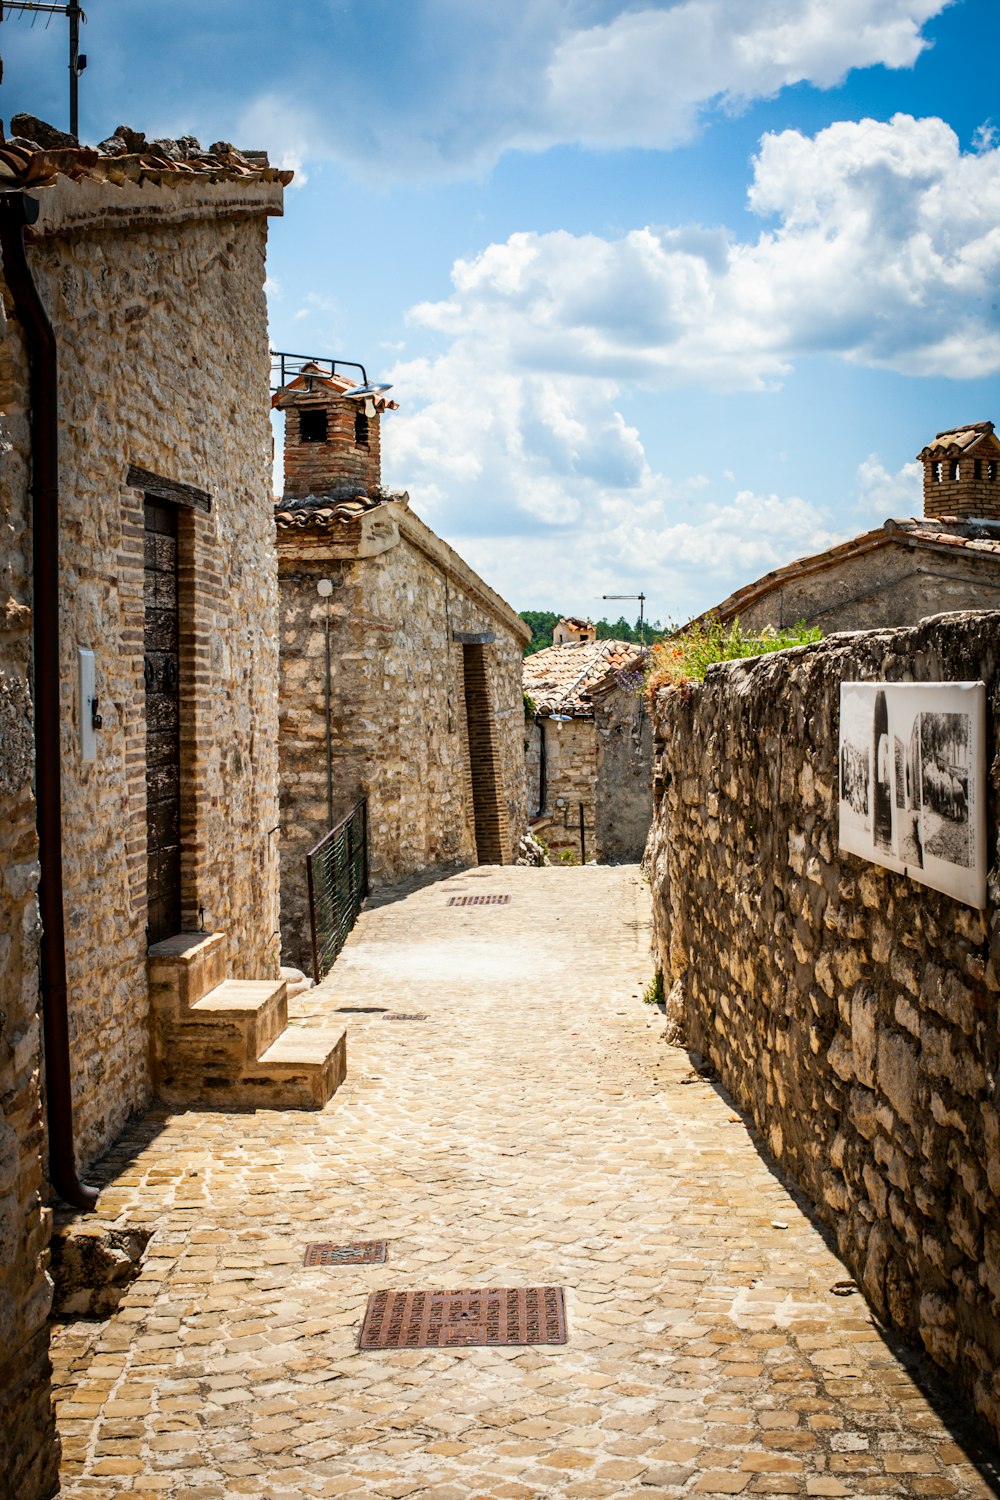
(533, 1130)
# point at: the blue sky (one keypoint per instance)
(670, 293)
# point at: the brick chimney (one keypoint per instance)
(332, 442)
(962, 473)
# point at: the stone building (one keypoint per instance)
(949, 559)
(138, 576)
(417, 707)
(589, 748)
(569, 631)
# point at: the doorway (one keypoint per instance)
(489, 807)
(161, 667)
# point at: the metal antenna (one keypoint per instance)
(77, 59)
(642, 600)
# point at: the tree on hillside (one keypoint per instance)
(542, 622)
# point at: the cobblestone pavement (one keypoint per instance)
(532, 1130)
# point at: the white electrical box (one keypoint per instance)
(87, 668)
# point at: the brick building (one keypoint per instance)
(905, 570)
(419, 710)
(138, 576)
(589, 746)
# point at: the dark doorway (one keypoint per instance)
(161, 648)
(486, 801)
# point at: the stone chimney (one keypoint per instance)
(962, 473)
(332, 442)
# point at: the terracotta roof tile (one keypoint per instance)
(563, 679)
(957, 440)
(324, 513)
(26, 163)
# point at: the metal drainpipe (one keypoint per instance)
(543, 770)
(16, 211)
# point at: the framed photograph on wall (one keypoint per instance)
(913, 781)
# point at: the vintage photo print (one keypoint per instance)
(912, 781)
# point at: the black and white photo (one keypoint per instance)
(911, 781)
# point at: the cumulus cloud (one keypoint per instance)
(886, 250)
(880, 246)
(882, 494)
(455, 83)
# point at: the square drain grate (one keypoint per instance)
(360, 1253)
(405, 1015)
(494, 1316)
(478, 900)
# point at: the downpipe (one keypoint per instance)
(17, 211)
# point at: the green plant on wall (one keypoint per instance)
(687, 654)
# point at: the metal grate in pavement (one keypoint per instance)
(405, 1015)
(360, 1253)
(491, 1316)
(478, 900)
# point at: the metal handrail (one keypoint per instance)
(337, 875)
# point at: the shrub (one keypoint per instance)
(686, 656)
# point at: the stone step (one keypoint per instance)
(183, 969)
(242, 1016)
(302, 1069)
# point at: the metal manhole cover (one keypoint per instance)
(360, 1253)
(478, 900)
(460, 1320)
(404, 1015)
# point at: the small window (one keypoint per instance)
(991, 468)
(312, 425)
(361, 428)
(953, 469)
(977, 468)
(937, 472)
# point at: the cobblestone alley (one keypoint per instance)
(527, 1127)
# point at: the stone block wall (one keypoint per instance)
(624, 805)
(852, 1012)
(156, 296)
(29, 1451)
(398, 715)
(891, 585)
(570, 778)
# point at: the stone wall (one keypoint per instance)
(156, 296)
(28, 1447)
(398, 715)
(570, 779)
(624, 802)
(891, 585)
(603, 762)
(852, 1012)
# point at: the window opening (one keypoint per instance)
(977, 468)
(312, 425)
(953, 469)
(361, 429)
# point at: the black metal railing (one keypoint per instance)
(287, 367)
(337, 869)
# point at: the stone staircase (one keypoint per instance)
(226, 1042)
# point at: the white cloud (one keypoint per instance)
(882, 494)
(458, 82)
(886, 251)
(643, 78)
(514, 442)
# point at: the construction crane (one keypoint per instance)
(77, 59)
